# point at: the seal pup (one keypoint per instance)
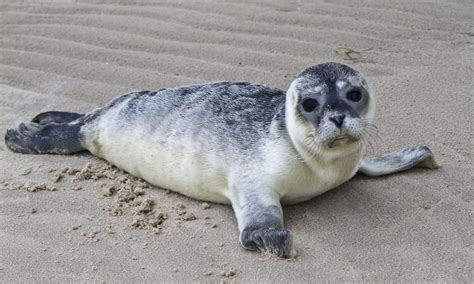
(249, 145)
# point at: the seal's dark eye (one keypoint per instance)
(354, 96)
(310, 104)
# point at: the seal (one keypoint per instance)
(249, 145)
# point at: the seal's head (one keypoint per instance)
(329, 107)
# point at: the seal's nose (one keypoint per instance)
(338, 120)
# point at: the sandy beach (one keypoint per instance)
(76, 219)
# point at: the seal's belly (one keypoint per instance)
(175, 166)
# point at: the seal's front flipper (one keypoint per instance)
(49, 138)
(415, 156)
(260, 220)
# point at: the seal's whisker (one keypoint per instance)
(368, 145)
(374, 135)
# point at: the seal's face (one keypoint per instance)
(332, 103)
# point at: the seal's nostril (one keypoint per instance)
(338, 120)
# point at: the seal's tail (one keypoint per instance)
(50, 132)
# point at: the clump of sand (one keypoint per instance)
(26, 172)
(205, 205)
(28, 186)
(127, 192)
(227, 273)
(89, 172)
(183, 215)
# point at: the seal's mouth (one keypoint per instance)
(341, 139)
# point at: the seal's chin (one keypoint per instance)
(341, 140)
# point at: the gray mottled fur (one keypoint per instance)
(235, 115)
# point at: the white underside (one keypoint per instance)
(171, 166)
(204, 176)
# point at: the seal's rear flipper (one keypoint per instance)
(415, 156)
(56, 116)
(45, 137)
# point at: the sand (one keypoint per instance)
(75, 218)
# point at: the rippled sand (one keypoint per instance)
(413, 227)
